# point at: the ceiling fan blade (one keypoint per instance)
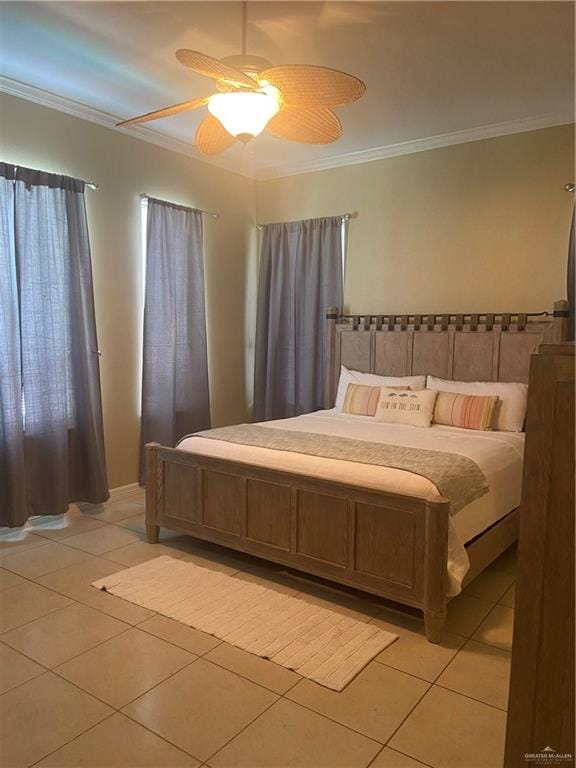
(212, 138)
(206, 65)
(308, 125)
(175, 109)
(307, 85)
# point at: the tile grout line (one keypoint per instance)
(444, 668)
(139, 696)
(53, 669)
(393, 749)
(449, 663)
(249, 679)
(43, 757)
(61, 539)
(42, 543)
(42, 671)
(200, 760)
(417, 677)
(48, 573)
(112, 549)
(490, 645)
(83, 515)
(61, 594)
(43, 615)
(350, 727)
(115, 710)
(436, 685)
(389, 739)
(472, 698)
(70, 565)
(258, 716)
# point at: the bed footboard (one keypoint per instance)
(391, 545)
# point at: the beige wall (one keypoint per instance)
(474, 227)
(124, 167)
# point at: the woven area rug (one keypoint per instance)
(318, 643)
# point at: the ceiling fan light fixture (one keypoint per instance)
(245, 114)
(290, 101)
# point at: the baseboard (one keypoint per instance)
(123, 490)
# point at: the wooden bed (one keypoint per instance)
(388, 544)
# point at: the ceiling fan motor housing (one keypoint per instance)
(251, 65)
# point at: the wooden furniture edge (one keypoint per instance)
(153, 489)
(541, 700)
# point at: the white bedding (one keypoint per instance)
(498, 454)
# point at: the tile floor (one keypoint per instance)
(87, 679)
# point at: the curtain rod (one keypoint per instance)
(343, 216)
(90, 184)
(425, 315)
(145, 196)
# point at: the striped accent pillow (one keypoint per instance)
(362, 400)
(468, 411)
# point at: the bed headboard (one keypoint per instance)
(462, 347)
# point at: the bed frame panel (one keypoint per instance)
(391, 545)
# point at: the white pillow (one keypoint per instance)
(372, 380)
(513, 398)
(411, 407)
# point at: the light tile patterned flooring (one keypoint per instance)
(88, 679)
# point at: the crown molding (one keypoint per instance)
(105, 119)
(417, 145)
(85, 112)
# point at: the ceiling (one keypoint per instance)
(431, 68)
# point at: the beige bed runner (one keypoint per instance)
(457, 477)
(318, 643)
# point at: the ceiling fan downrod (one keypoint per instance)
(250, 65)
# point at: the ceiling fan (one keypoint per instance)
(292, 101)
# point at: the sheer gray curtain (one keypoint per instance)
(175, 395)
(51, 436)
(300, 277)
